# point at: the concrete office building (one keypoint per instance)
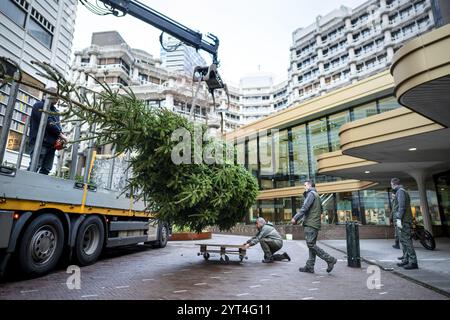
(348, 45)
(183, 59)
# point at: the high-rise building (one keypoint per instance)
(183, 59)
(347, 44)
(30, 30)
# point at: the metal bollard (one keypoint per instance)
(353, 254)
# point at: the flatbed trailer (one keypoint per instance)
(43, 218)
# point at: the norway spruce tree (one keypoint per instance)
(193, 195)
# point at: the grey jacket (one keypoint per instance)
(267, 231)
(402, 207)
(311, 210)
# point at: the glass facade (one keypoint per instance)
(282, 159)
(442, 183)
(318, 140)
(335, 122)
(288, 157)
(376, 207)
(364, 111)
(300, 155)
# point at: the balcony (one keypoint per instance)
(397, 3)
(402, 36)
(372, 50)
(375, 66)
(334, 52)
(113, 67)
(337, 66)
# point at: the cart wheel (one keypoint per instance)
(206, 255)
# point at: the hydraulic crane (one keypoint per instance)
(209, 74)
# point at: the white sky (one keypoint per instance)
(255, 35)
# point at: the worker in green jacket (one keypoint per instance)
(311, 211)
(270, 241)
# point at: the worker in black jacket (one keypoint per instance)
(53, 131)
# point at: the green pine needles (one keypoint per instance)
(188, 195)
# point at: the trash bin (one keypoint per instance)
(353, 255)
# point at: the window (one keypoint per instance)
(318, 139)
(335, 123)
(300, 154)
(40, 33)
(365, 111)
(266, 159)
(282, 159)
(375, 205)
(13, 11)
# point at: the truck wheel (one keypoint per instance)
(163, 236)
(90, 239)
(41, 245)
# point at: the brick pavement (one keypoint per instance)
(177, 273)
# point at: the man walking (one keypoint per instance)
(403, 220)
(311, 211)
(270, 241)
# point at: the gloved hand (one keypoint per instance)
(399, 223)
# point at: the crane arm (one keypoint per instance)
(166, 24)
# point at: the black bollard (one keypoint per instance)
(353, 255)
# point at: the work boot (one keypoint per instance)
(403, 263)
(401, 258)
(267, 260)
(331, 265)
(411, 266)
(306, 269)
(396, 246)
(286, 256)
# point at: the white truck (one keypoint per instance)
(43, 218)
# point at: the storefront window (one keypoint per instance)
(443, 194)
(281, 159)
(328, 209)
(266, 158)
(283, 208)
(254, 212)
(335, 122)
(388, 104)
(300, 152)
(268, 210)
(376, 206)
(318, 137)
(365, 111)
(253, 157)
(432, 205)
(348, 207)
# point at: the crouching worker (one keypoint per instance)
(270, 241)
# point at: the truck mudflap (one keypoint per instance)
(6, 224)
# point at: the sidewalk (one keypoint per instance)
(434, 266)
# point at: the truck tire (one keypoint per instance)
(41, 245)
(163, 236)
(89, 241)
